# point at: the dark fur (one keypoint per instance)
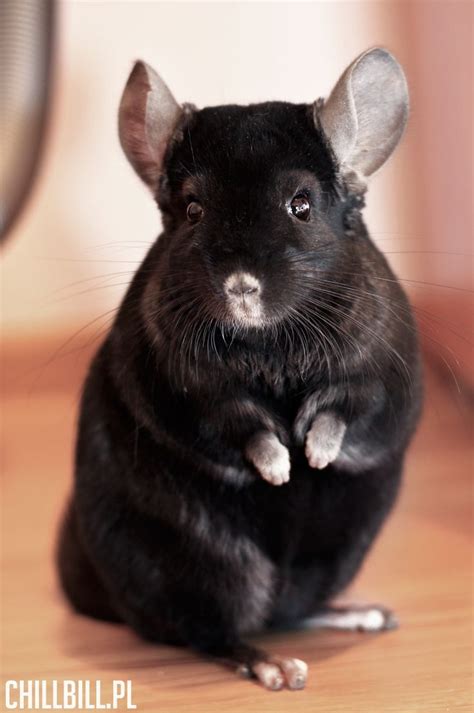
(169, 528)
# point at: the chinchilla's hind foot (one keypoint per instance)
(273, 672)
(358, 618)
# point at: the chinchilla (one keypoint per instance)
(244, 424)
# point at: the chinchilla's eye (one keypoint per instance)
(300, 206)
(194, 212)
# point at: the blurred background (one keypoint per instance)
(77, 223)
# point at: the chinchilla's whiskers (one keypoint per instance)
(123, 245)
(420, 284)
(181, 354)
(315, 272)
(429, 316)
(316, 336)
(201, 337)
(200, 330)
(369, 296)
(197, 329)
(93, 289)
(334, 348)
(211, 347)
(368, 364)
(219, 325)
(427, 252)
(56, 295)
(289, 331)
(363, 294)
(346, 337)
(105, 276)
(275, 331)
(359, 294)
(212, 340)
(179, 315)
(62, 350)
(197, 324)
(310, 257)
(349, 315)
(304, 335)
(167, 306)
(393, 353)
(311, 260)
(302, 338)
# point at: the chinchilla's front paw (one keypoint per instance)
(270, 457)
(324, 439)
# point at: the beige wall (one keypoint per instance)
(441, 46)
(90, 217)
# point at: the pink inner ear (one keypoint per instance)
(147, 119)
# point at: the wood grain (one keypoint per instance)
(421, 566)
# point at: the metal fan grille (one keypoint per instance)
(26, 38)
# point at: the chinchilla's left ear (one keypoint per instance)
(365, 115)
(148, 116)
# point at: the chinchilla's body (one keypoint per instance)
(243, 427)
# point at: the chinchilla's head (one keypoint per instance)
(260, 203)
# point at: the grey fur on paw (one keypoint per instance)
(324, 440)
(270, 457)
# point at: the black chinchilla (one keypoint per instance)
(243, 426)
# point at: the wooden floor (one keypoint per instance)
(421, 566)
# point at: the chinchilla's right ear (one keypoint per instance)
(366, 112)
(148, 117)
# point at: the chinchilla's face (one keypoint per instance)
(251, 200)
(255, 199)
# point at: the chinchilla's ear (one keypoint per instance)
(148, 116)
(366, 113)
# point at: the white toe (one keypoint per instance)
(296, 672)
(269, 674)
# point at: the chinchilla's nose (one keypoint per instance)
(242, 284)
